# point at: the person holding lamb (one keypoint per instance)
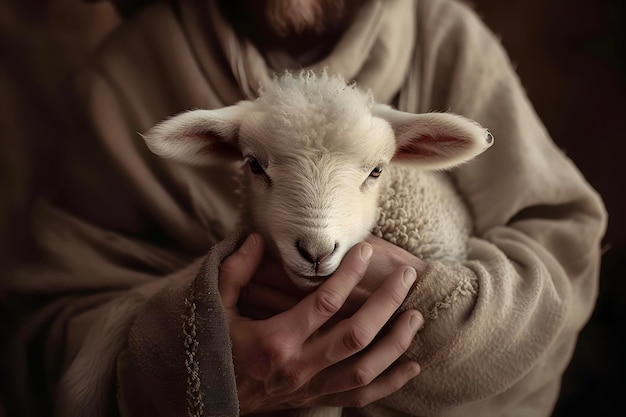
(126, 314)
(314, 151)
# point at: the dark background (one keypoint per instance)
(569, 54)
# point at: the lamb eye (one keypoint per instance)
(376, 172)
(255, 166)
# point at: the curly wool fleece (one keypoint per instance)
(421, 212)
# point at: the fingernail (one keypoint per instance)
(409, 276)
(413, 371)
(416, 321)
(248, 244)
(366, 252)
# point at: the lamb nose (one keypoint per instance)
(314, 257)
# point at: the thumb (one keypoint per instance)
(236, 270)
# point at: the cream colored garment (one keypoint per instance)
(503, 324)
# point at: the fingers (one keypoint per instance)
(362, 370)
(323, 353)
(363, 379)
(315, 309)
(237, 269)
(357, 332)
(388, 383)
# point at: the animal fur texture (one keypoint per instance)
(324, 166)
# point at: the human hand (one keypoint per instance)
(286, 361)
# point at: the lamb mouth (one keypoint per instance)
(310, 279)
(313, 279)
(319, 277)
(307, 273)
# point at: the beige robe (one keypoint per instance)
(501, 326)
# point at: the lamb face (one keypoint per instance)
(313, 193)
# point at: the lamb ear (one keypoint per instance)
(198, 137)
(435, 140)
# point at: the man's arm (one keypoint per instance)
(500, 328)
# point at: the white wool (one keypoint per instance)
(323, 106)
(421, 212)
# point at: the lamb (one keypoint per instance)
(325, 166)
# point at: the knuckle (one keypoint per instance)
(395, 293)
(357, 338)
(231, 268)
(397, 297)
(327, 302)
(227, 267)
(290, 379)
(354, 274)
(362, 376)
(403, 344)
(395, 385)
(276, 349)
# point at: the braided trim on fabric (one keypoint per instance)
(195, 397)
(465, 287)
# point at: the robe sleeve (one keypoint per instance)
(120, 244)
(501, 327)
